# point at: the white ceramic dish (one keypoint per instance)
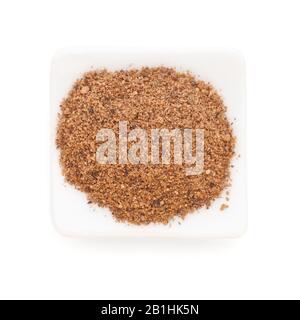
(225, 70)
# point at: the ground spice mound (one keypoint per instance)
(146, 98)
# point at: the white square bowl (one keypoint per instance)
(225, 70)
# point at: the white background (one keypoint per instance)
(36, 262)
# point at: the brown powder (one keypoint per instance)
(223, 207)
(147, 98)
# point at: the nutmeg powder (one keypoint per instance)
(147, 98)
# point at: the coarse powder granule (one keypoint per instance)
(146, 98)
